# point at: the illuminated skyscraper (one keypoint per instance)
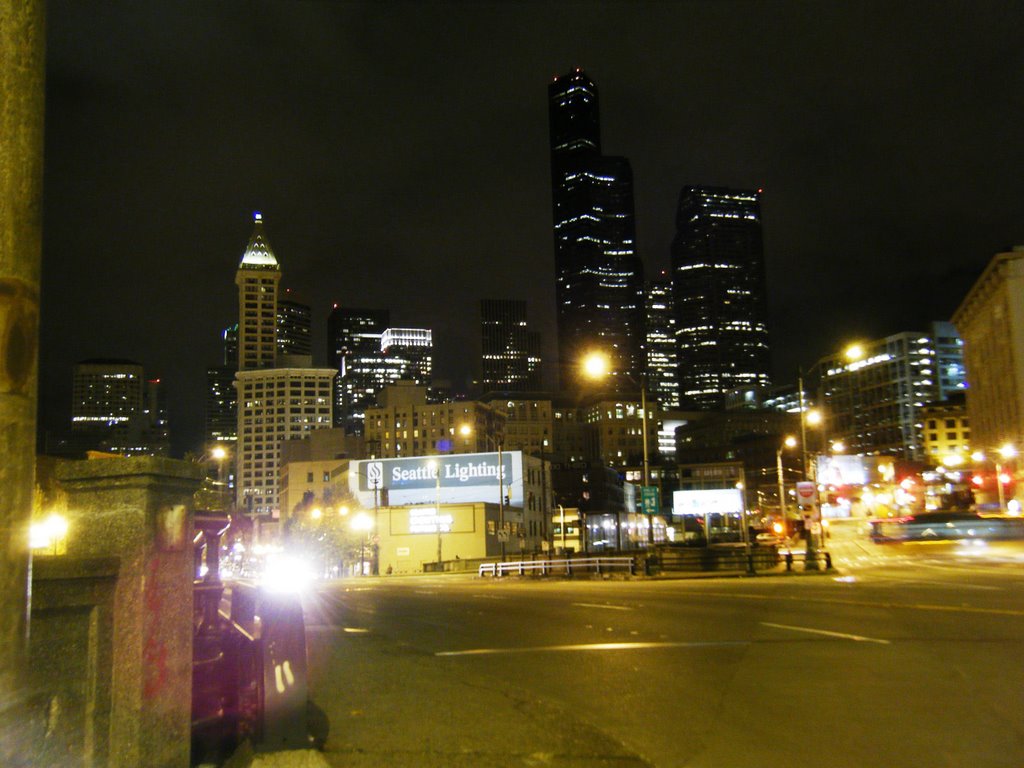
(599, 288)
(257, 278)
(510, 352)
(106, 395)
(408, 355)
(662, 361)
(353, 350)
(221, 408)
(719, 286)
(274, 403)
(294, 326)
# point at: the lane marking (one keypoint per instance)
(602, 605)
(594, 647)
(336, 628)
(842, 635)
(939, 584)
(870, 604)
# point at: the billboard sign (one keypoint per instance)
(463, 477)
(724, 501)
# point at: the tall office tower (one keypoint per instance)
(949, 359)
(599, 279)
(294, 326)
(257, 278)
(873, 393)
(353, 350)
(230, 339)
(990, 320)
(719, 289)
(220, 412)
(276, 404)
(662, 362)
(106, 395)
(510, 352)
(407, 355)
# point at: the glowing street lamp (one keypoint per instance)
(789, 442)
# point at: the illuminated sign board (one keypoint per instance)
(459, 470)
(845, 470)
(454, 518)
(725, 501)
(456, 478)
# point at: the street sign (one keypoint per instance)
(650, 499)
(806, 494)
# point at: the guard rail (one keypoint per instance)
(567, 566)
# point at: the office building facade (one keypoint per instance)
(662, 362)
(509, 351)
(990, 321)
(873, 395)
(599, 278)
(294, 328)
(275, 404)
(719, 289)
(353, 350)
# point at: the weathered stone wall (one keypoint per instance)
(135, 512)
(21, 173)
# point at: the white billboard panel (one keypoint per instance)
(464, 477)
(723, 501)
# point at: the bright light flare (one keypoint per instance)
(286, 573)
(596, 365)
(362, 522)
(45, 534)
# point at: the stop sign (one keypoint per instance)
(806, 494)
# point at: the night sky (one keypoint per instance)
(399, 154)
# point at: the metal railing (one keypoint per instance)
(566, 566)
(249, 675)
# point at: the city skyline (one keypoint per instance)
(396, 179)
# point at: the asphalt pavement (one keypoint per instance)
(905, 656)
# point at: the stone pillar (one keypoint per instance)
(21, 174)
(139, 511)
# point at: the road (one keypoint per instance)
(911, 655)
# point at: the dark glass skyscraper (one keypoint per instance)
(599, 288)
(662, 360)
(510, 352)
(294, 327)
(719, 285)
(353, 349)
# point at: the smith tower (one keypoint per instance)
(257, 278)
(719, 289)
(599, 288)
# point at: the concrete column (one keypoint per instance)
(139, 511)
(21, 174)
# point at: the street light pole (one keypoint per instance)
(782, 493)
(437, 514)
(647, 475)
(501, 502)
